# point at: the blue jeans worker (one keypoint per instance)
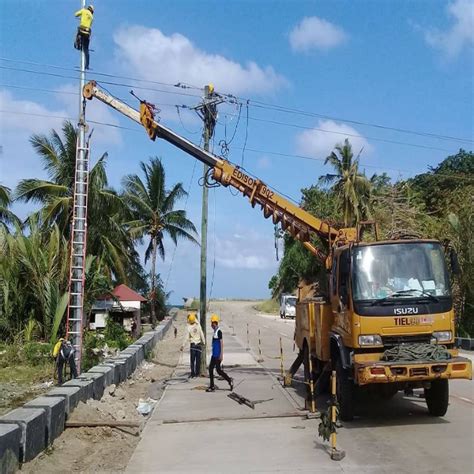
(217, 355)
(195, 337)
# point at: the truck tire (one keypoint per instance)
(437, 397)
(345, 393)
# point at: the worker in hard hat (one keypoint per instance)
(84, 31)
(195, 338)
(217, 355)
(64, 351)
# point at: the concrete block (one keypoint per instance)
(72, 396)
(120, 369)
(140, 351)
(98, 383)
(55, 408)
(86, 385)
(10, 439)
(108, 371)
(32, 422)
(130, 361)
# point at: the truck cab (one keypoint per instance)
(287, 306)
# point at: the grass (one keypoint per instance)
(268, 306)
(27, 374)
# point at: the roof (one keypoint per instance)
(124, 293)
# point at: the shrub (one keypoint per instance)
(37, 353)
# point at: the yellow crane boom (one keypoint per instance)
(296, 221)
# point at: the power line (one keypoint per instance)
(254, 103)
(253, 150)
(263, 105)
(353, 135)
(118, 84)
(96, 73)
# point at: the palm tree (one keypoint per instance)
(352, 187)
(154, 214)
(107, 238)
(6, 216)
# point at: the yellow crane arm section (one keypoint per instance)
(299, 223)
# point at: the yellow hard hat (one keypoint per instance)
(192, 318)
(211, 88)
(214, 318)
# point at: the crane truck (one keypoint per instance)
(387, 321)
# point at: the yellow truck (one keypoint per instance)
(387, 320)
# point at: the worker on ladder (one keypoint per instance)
(84, 31)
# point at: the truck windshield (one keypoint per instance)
(399, 271)
(291, 301)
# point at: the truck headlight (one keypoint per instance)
(443, 336)
(370, 340)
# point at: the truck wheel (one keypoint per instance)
(345, 393)
(437, 397)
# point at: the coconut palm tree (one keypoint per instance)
(154, 215)
(107, 238)
(6, 216)
(351, 187)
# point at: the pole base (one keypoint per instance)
(260, 360)
(313, 416)
(337, 455)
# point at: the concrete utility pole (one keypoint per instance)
(79, 227)
(209, 115)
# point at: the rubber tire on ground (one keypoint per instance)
(437, 397)
(345, 393)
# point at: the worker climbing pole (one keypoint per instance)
(78, 243)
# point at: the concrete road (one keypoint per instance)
(223, 436)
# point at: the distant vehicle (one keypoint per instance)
(287, 306)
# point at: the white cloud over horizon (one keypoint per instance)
(22, 118)
(316, 33)
(175, 58)
(320, 140)
(460, 34)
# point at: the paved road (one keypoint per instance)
(395, 436)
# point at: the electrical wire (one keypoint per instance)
(252, 150)
(214, 255)
(97, 73)
(246, 134)
(110, 83)
(233, 99)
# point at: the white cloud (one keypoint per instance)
(151, 54)
(23, 118)
(320, 141)
(263, 162)
(315, 33)
(252, 252)
(460, 34)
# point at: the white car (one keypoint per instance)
(287, 306)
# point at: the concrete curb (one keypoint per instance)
(26, 431)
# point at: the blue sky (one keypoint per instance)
(405, 65)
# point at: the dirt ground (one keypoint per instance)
(105, 449)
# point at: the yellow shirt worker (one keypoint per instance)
(195, 337)
(84, 31)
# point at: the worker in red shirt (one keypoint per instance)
(84, 31)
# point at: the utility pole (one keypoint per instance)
(207, 110)
(74, 329)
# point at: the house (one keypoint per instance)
(123, 305)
